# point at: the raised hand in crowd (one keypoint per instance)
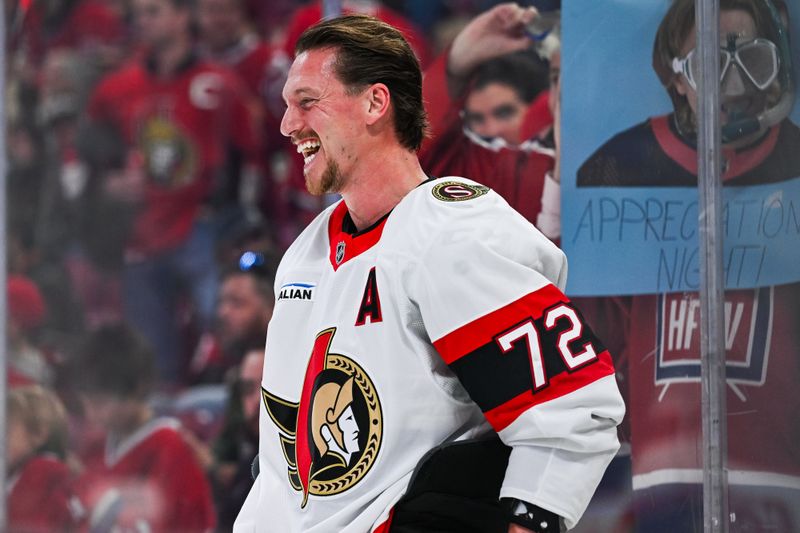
(491, 34)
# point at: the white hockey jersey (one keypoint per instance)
(444, 315)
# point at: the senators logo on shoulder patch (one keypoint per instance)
(331, 437)
(454, 191)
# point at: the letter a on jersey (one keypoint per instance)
(370, 302)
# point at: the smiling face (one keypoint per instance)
(322, 120)
(738, 95)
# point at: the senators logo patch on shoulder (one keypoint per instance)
(454, 191)
(331, 438)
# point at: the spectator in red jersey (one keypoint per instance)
(41, 496)
(308, 15)
(178, 117)
(145, 477)
(227, 38)
(481, 95)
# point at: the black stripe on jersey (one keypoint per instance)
(492, 377)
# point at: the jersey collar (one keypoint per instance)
(344, 241)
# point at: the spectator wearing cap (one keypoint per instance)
(26, 312)
(244, 308)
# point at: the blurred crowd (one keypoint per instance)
(151, 196)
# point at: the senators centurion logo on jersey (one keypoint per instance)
(331, 438)
(748, 330)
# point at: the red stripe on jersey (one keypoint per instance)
(560, 385)
(352, 245)
(483, 330)
(384, 527)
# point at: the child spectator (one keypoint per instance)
(40, 485)
(146, 476)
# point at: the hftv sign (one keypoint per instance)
(629, 199)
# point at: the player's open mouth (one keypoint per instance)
(309, 150)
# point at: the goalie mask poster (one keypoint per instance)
(629, 195)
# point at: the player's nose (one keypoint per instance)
(289, 122)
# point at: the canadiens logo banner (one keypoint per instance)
(332, 436)
(629, 197)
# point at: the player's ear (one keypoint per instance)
(377, 100)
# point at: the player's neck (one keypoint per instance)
(381, 181)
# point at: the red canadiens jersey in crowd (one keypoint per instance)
(182, 126)
(42, 499)
(442, 321)
(152, 480)
(307, 16)
(515, 174)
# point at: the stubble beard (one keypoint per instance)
(331, 181)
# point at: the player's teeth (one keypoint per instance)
(307, 146)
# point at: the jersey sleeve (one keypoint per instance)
(490, 295)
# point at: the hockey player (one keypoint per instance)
(661, 333)
(412, 316)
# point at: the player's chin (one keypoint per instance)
(315, 183)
